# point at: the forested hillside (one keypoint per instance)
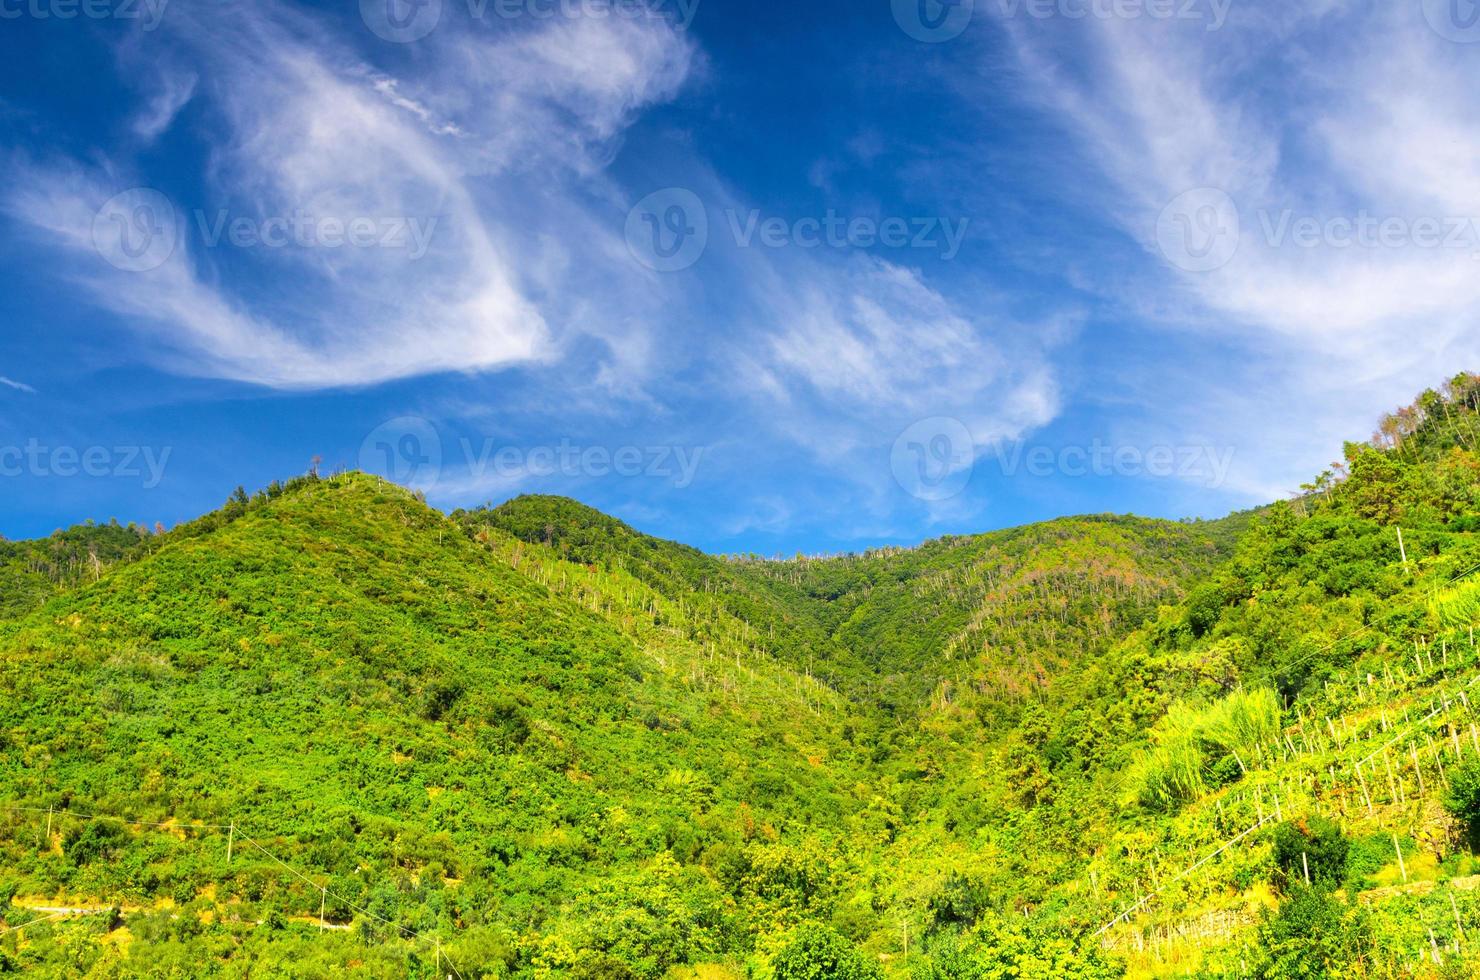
(328, 731)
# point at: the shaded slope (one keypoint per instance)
(1004, 611)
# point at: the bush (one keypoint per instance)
(1204, 607)
(1312, 936)
(961, 901)
(996, 952)
(97, 840)
(1315, 842)
(1367, 857)
(1197, 744)
(1462, 799)
(1166, 777)
(818, 953)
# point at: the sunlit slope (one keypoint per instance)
(345, 673)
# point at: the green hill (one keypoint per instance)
(328, 731)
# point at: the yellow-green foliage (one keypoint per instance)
(1459, 606)
(1241, 721)
(1165, 777)
(1193, 738)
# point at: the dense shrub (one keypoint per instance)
(818, 953)
(1313, 936)
(1313, 842)
(997, 952)
(1462, 799)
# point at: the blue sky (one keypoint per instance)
(758, 276)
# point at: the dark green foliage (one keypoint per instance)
(818, 953)
(1315, 843)
(961, 901)
(996, 952)
(98, 840)
(1204, 606)
(1314, 935)
(1462, 799)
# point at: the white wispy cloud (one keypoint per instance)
(312, 130)
(1327, 111)
(16, 385)
(174, 91)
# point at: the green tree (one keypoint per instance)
(817, 953)
(1313, 843)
